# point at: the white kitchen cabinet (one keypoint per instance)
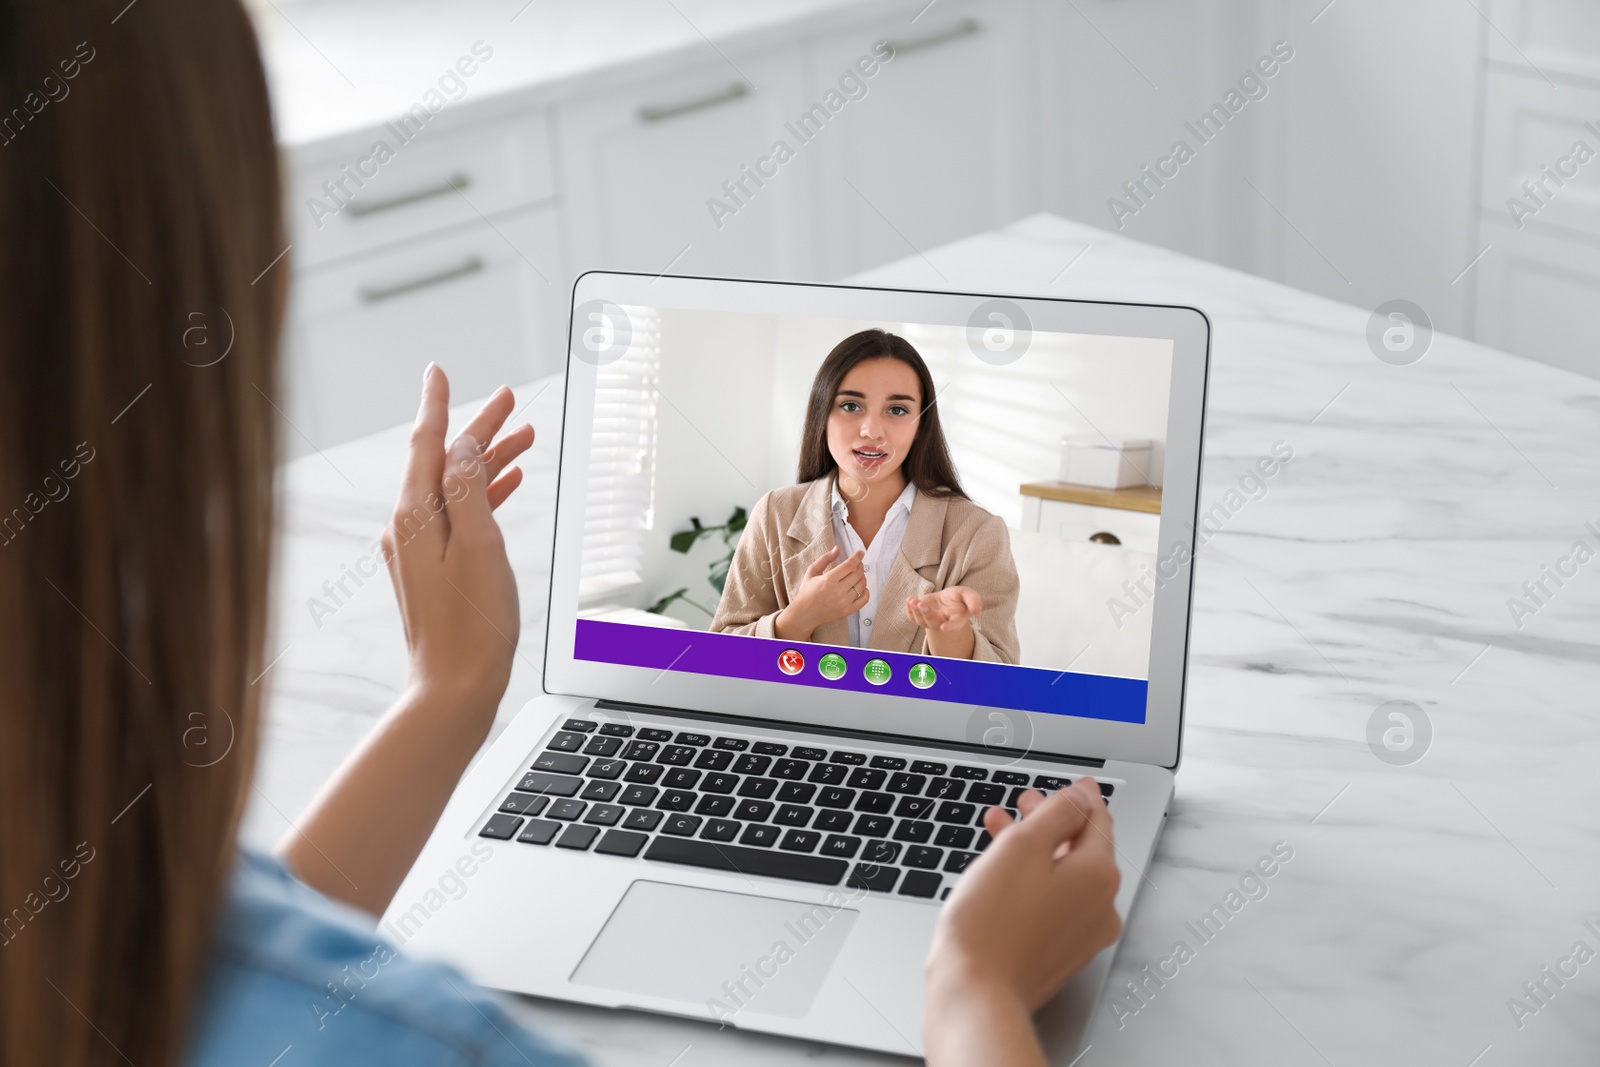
(1539, 295)
(1074, 520)
(485, 301)
(943, 143)
(1529, 133)
(640, 164)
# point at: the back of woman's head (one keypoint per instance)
(139, 200)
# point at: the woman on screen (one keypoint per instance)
(877, 546)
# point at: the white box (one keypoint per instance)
(1105, 463)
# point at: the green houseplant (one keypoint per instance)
(717, 570)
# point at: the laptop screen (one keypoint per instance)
(957, 514)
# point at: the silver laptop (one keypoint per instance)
(760, 832)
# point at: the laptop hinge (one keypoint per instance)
(834, 731)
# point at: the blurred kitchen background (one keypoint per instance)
(526, 142)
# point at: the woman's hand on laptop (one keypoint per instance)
(1029, 913)
(458, 603)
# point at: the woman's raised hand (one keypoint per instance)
(946, 617)
(827, 593)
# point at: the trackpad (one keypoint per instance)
(725, 952)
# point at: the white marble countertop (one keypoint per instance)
(341, 66)
(1379, 566)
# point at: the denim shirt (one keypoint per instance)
(296, 979)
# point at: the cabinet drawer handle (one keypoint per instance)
(454, 183)
(656, 114)
(1104, 538)
(964, 28)
(371, 295)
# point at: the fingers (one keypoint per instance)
(504, 486)
(425, 463)
(969, 599)
(508, 448)
(997, 820)
(466, 484)
(487, 422)
(1059, 818)
(822, 561)
(1094, 841)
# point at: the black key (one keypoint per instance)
(946, 894)
(560, 762)
(676, 800)
(954, 836)
(607, 768)
(720, 830)
(791, 769)
(712, 760)
(914, 807)
(566, 742)
(641, 750)
(800, 841)
(616, 729)
(880, 852)
(523, 804)
(578, 837)
(957, 862)
(1050, 782)
(769, 748)
(551, 784)
(1016, 795)
(621, 843)
(754, 811)
(920, 884)
(791, 865)
(983, 841)
(653, 733)
(911, 830)
(719, 783)
(598, 790)
(539, 832)
(850, 758)
(750, 763)
(567, 810)
(712, 804)
(797, 792)
(756, 834)
(950, 811)
(835, 797)
(976, 774)
(1010, 778)
(697, 740)
(907, 783)
(947, 789)
(501, 826)
(801, 752)
(605, 814)
(827, 774)
(676, 756)
(873, 825)
(681, 825)
(638, 795)
(643, 773)
(986, 793)
(583, 726)
(889, 763)
(875, 803)
(832, 820)
(794, 815)
(731, 744)
(924, 857)
(841, 846)
(867, 778)
(681, 778)
(871, 876)
(642, 819)
(1106, 788)
(603, 746)
(922, 766)
(760, 788)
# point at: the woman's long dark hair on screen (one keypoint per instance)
(139, 322)
(927, 465)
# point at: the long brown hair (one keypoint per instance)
(927, 464)
(139, 324)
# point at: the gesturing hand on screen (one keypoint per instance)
(946, 617)
(825, 595)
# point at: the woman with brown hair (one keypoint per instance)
(139, 189)
(878, 517)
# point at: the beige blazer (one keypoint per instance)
(948, 541)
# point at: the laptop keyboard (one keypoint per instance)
(823, 815)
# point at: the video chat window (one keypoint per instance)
(881, 506)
